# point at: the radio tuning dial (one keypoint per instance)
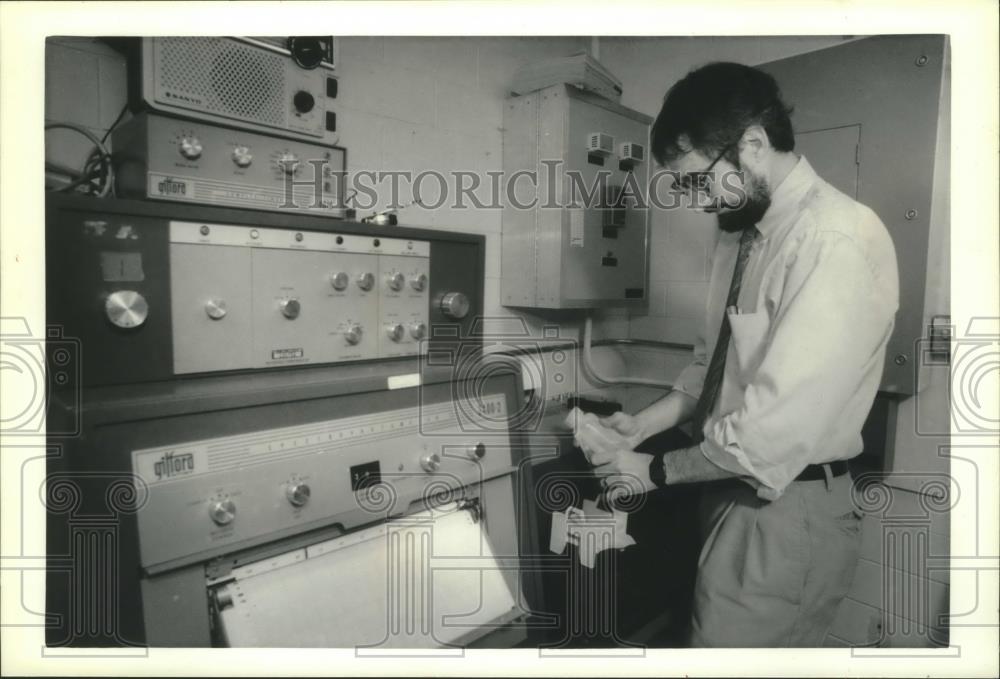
(353, 334)
(366, 281)
(216, 309)
(242, 156)
(455, 305)
(190, 147)
(419, 282)
(418, 330)
(222, 512)
(288, 162)
(395, 331)
(430, 462)
(290, 308)
(297, 493)
(395, 281)
(340, 280)
(126, 309)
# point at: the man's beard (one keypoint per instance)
(758, 200)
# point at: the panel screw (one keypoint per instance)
(921, 60)
(900, 359)
(911, 215)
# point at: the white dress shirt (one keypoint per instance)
(816, 309)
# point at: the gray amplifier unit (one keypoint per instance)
(254, 83)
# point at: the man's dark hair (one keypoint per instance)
(713, 105)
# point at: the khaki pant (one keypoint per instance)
(772, 574)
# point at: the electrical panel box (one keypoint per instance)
(575, 225)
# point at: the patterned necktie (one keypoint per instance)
(717, 366)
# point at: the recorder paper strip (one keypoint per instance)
(422, 581)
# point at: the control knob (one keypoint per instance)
(288, 162)
(303, 101)
(216, 309)
(418, 330)
(222, 512)
(353, 334)
(419, 282)
(430, 462)
(242, 156)
(395, 281)
(395, 331)
(297, 493)
(126, 308)
(476, 451)
(340, 280)
(455, 305)
(290, 308)
(366, 281)
(190, 147)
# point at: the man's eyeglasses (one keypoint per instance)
(699, 181)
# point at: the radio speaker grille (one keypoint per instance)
(223, 77)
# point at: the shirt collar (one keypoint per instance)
(787, 195)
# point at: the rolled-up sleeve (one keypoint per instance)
(692, 378)
(820, 369)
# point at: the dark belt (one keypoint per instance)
(814, 472)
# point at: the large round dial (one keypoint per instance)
(455, 305)
(126, 308)
(308, 52)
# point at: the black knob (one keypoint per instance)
(308, 52)
(303, 101)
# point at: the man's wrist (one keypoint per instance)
(658, 471)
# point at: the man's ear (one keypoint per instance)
(755, 142)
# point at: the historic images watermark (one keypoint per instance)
(554, 188)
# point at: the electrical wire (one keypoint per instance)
(121, 114)
(97, 166)
(588, 366)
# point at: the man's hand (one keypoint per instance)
(623, 472)
(627, 425)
